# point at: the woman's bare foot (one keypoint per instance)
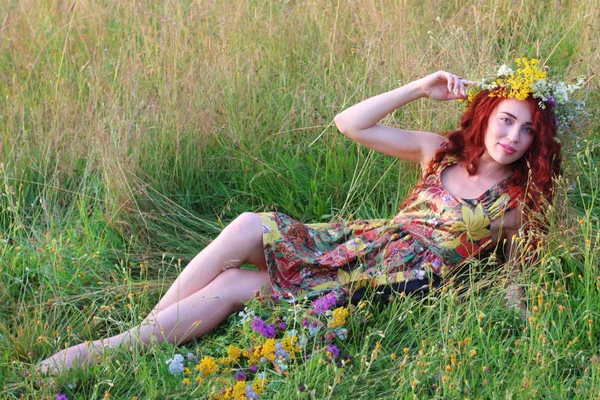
(74, 356)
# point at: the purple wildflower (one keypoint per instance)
(323, 304)
(282, 326)
(302, 388)
(260, 326)
(61, 396)
(253, 368)
(550, 102)
(305, 322)
(240, 376)
(332, 350)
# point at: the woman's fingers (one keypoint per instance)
(455, 84)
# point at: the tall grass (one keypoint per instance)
(134, 131)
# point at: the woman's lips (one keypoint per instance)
(508, 149)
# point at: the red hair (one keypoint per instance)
(533, 172)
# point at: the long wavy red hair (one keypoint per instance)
(534, 172)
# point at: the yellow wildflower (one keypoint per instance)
(268, 349)
(199, 380)
(234, 352)
(207, 366)
(186, 381)
(239, 391)
(252, 359)
(259, 385)
(289, 345)
(521, 80)
(339, 317)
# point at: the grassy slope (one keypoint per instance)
(133, 132)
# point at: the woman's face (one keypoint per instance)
(510, 131)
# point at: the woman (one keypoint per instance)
(469, 200)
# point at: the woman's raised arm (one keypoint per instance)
(361, 121)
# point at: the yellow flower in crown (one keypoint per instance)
(520, 83)
(270, 230)
(529, 79)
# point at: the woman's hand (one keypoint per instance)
(443, 85)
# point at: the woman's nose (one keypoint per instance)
(513, 135)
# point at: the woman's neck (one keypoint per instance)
(488, 167)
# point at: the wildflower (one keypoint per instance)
(332, 351)
(253, 368)
(260, 326)
(186, 371)
(207, 366)
(186, 381)
(175, 364)
(199, 380)
(234, 352)
(268, 349)
(239, 390)
(250, 393)
(60, 396)
(313, 328)
(375, 352)
(339, 317)
(281, 353)
(341, 333)
(240, 376)
(323, 304)
(302, 388)
(106, 395)
(259, 385)
(282, 326)
(305, 323)
(191, 357)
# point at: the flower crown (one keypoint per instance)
(529, 79)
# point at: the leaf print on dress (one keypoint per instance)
(270, 230)
(473, 227)
(357, 244)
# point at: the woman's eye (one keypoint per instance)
(528, 129)
(506, 120)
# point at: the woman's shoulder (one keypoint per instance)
(440, 143)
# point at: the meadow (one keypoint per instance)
(133, 132)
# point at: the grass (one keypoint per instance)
(133, 132)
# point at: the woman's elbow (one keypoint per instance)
(342, 124)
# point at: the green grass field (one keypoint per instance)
(133, 132)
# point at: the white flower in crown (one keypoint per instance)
(504, 70)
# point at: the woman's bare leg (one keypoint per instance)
(202, 296)
(179, 323)
(240, 242)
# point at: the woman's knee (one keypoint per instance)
(238, 285)
(247, 224)
(247, 229)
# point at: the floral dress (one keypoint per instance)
(433, 234)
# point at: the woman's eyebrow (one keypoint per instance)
(512, 116)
